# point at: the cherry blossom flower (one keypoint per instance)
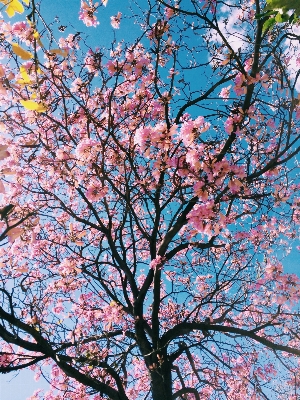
(157, 263)
(224, 94)
(87, 13)
(115, 20)
(96, 192)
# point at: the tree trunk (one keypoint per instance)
(161, 383)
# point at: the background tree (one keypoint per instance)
(150, 187)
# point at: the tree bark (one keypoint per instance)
(161, 382)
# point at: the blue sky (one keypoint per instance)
(19, 386)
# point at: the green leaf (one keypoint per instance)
(266, 14)
(280, 18)
(285, 17)
(284, 5)
(269, 24)
(292, 18)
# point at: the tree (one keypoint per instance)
(148, 194)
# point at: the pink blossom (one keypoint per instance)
(24, 32)
(224, 94)
(232, 122)
(273, 268)
(55, 371)
(228, 125)
(169, 12)
(157, 263)
(93, 61)
(86, 13)
(67, 267)
(111, 67)
(76, 85)
(240, 86)
(96, 192)
(172, 72)
(191, 129)
(62, 153)
(115, 20)
(200, 191)
(142, 135)
(235, 186)
(70, 42)
(248, 64)
(193, 158)
(86, 148)
(59, 308)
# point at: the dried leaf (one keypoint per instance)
(60, 52)
(4, 154)
(8, 171)
(19, 51)
(22, 269)
(2, 71)
(30, 144)
(14, 233)
(3, 151)
(2, 188)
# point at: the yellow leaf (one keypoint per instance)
(33, 106)
(25, 77)
(14, 6)
(26, 2)
(25, 55)
(36, 35)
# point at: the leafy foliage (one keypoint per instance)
(280, 11)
